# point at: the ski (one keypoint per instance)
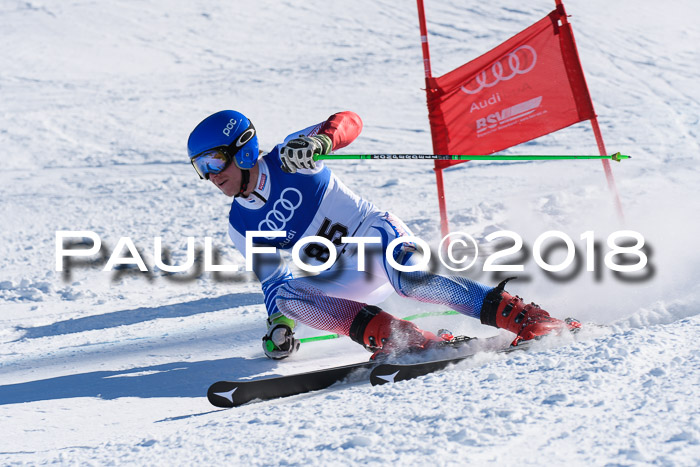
(384, 373)
(234, 393)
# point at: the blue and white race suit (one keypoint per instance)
(316, 202)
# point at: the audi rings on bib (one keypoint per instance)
(282, 211)
(514, 62)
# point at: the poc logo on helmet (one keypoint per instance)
(230, 126)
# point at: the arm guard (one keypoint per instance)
(342, 128)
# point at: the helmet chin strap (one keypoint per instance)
(245, 178)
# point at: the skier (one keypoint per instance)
(286, 190)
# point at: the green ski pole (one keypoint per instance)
(451, 157)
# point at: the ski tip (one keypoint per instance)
(221, 394)
(384, 375)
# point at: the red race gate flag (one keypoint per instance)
(527, 87)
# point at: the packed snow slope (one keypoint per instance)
(96, 102)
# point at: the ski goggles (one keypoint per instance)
(213, 161)
(216, 160)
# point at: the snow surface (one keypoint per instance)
(97, 100)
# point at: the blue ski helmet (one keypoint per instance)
(229, 131)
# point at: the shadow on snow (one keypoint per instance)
(178, 379)
(142, 314)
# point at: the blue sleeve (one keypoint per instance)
(270, 287)
(270, 268)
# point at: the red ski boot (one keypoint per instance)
(384, 334)
(502, 310)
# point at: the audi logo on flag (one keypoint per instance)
(518, 62)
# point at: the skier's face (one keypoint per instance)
(228, 180)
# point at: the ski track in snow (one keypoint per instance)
(110, 368)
